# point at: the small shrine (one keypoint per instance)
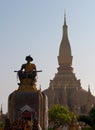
(27, 103)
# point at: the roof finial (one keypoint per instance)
(88, 88)
(1, 111)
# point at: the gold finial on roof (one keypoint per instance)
(88, 88)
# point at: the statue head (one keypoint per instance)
(29, 58)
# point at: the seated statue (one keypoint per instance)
(27, 70)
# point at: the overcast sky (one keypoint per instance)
(35, 27)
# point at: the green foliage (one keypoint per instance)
(1, 125)
(90, 119)
(50, 129)
(59, 115)
(85, 119)
(92, 116)
(87, 129)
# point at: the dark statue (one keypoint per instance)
(28, 71)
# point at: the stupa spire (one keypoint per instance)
(64, 18)
(65, 57)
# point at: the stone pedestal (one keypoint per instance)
(28, 103)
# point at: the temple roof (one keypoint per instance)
(26, 108)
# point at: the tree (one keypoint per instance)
(90, 119)
(1, 125)
(59, 116)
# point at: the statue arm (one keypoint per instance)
(22, 67)
(34, 67)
